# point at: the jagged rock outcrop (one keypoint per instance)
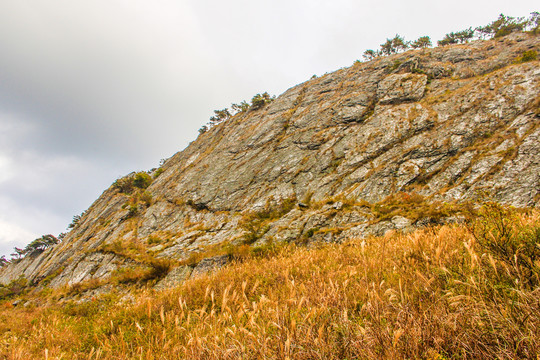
(435, 125)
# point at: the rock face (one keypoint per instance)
(440, 124)
(175, 277)
(398, 88)
(209, 264)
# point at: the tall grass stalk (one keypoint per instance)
(436, 293)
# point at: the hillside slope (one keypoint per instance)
(382, 145)
(444, 292)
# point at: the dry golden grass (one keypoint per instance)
(437, 293)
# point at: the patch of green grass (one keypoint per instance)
(529, 55)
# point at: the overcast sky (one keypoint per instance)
(92, 90)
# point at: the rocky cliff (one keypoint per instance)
(393, 143)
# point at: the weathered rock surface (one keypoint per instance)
(445, 123)
(174, 278)
(209, 264)
(398, 88)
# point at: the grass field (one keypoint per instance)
(468, 291)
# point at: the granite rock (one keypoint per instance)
(446, 123)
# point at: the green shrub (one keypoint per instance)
(225, 114)
(394, 45)
(533, 22)
(260, 100)
(4, 261)
(127, 184)
(219, 116)
(124, 185)
(421, 43)
(396, 64)
(529, 55)
(153, 240)
(311, 232)
(158, 172)
(506, 25)
(75, 221)
(460, 37)
(203, 129)
(371, 54)
(239, 108)
(142, 180)
(146, 198)
(498, 231)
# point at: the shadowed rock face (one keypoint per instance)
(176, 276)
(444, 123)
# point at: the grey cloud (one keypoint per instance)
(89, 77)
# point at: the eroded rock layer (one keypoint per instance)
(319, 163)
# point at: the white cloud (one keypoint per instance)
(12, 235)
(5, 168)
